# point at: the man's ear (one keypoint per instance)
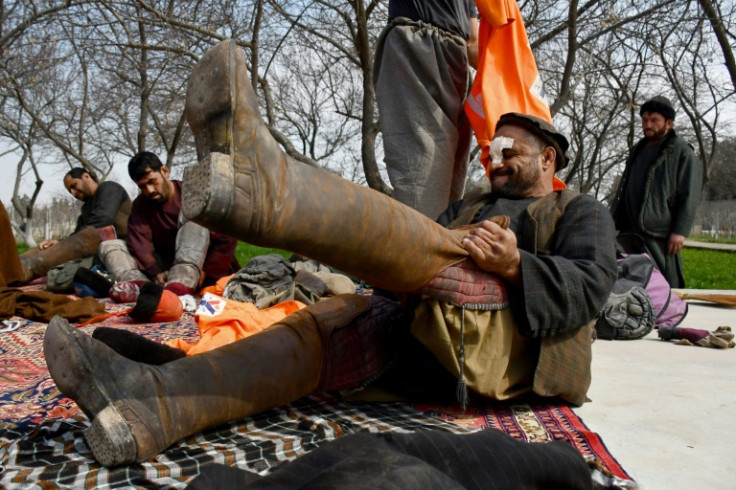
(165, 171)
(549, 158)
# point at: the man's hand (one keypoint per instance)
(494, 249)
(675, 244)
(161, 278)
(47, 244)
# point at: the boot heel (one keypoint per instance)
(207, 189)
(110, 439)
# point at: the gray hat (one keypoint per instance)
(659, 104)
(541, 129)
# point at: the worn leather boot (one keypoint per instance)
(138, 410)
(118, 261)
(36, 262)
(192, 242)
(245, 186)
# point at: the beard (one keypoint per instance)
(658, 135)
(519, 183)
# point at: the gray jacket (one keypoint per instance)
(672, 189)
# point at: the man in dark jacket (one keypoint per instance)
(105, 204)
(654, 206)
(536, 273)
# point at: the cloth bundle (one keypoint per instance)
(720, 338)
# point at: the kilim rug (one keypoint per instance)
(41, 443)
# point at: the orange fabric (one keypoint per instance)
(223, 321)
(507, 79)
(169, 308)
(218, 288)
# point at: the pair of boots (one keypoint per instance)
(246, 187)
(184, 277)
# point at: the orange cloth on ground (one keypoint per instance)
(217, 288)
(223, 321)
(507, 79)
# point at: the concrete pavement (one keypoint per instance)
(724, 247)
(668, 412)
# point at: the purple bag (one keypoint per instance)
(639, 270)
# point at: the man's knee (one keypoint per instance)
(361, 349)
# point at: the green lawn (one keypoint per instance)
(709, 269)
(245, 251)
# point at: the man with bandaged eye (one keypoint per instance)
(498, 303)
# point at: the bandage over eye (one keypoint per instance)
(498, 145)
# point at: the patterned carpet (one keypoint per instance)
(41, 431)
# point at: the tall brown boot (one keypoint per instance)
(245, 186)
(138, 410)
(37, 262)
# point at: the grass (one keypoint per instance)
(709, 269)
(704, 269)
(245, 251)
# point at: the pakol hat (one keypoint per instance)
(659, 104)
(156, 304)
(541, 129)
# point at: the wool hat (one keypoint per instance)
(156, 304)
(543, 130)
(659, 104)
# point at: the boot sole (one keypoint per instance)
(207, 193)
(108, 437)
(110, 440)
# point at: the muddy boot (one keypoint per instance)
(36, 263)
(117, 260)
(138, 410)
(245, 186)
(192, 242)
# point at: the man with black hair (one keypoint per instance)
(656, 200)
(105, 204)
(167, 248)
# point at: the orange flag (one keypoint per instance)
(507, 79)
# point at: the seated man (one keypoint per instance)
(105, 204)
(165, 247)
(551, 257)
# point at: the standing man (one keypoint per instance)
(165, 247)
(422, 78)
(105, 204)
(659, 192)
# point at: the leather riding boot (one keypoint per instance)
(117, 260)
(192, 242)
(138, 410)
(245, 186)
(36, 263)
